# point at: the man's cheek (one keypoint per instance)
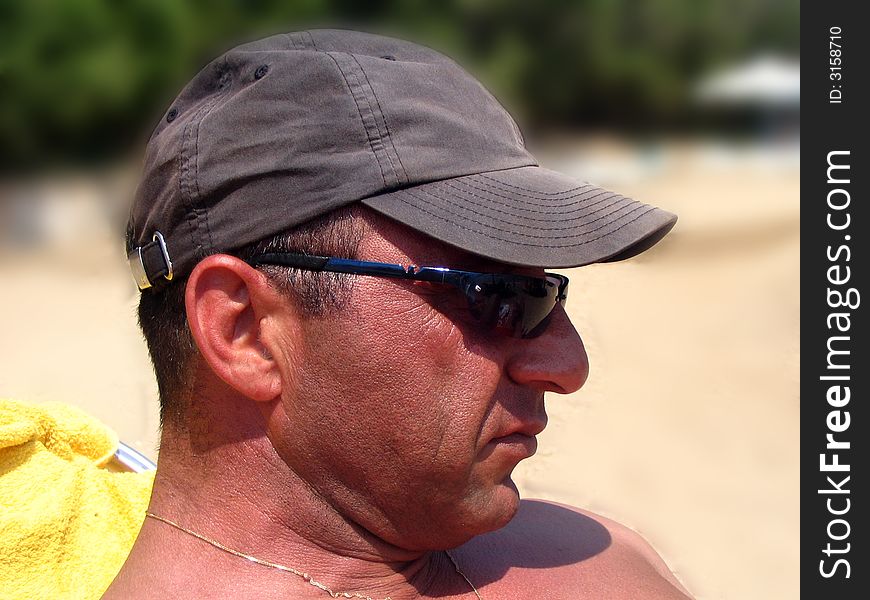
(418, 325)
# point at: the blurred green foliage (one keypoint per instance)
(85, 79)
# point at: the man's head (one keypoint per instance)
(384, 395)
(395, 404)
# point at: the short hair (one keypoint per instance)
(163, 319)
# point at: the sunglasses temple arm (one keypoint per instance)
(329, 264)
(355, 267)
(428, 274)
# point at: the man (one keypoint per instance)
(336, 422)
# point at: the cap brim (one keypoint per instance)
(528, 216)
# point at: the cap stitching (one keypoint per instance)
(362, 120)
(582, 202)
(581, 207)
(519, 232)
(492, 217)
(184, 183)
(193, 206)
(201, 209)
(380, 111)
(389, 134)
(518, 243)
(186, 192)
(516, 194)
(291, 38)
(380, 137)
(516, 187)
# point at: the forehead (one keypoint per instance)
(386, 240)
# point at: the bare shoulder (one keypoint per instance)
(570, 553)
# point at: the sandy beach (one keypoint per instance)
(687, 429)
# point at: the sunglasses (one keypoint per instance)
(515, 305)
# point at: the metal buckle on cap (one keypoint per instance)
(136, 261)
(137, 267)
(158, 237)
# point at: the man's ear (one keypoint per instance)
(227, 303)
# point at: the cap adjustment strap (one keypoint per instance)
(150, 262)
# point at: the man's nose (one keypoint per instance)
(555, 361)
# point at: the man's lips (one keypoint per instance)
(516, 432)
(519, 438)
(529, 428)
(518, 443)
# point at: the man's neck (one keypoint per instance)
(242, 496)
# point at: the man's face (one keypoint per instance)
(405, 414)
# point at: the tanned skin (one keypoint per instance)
(358, 446)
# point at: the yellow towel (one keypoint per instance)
(67, 520)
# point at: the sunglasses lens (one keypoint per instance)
(541, 298)
(516, 306)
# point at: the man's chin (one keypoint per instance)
(508, 497)
(475, 516)
(497, 508)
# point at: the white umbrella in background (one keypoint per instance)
(763, 81)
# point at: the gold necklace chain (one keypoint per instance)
(296, 572)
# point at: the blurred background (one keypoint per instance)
(688, 427)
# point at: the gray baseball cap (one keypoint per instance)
(282, 130)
